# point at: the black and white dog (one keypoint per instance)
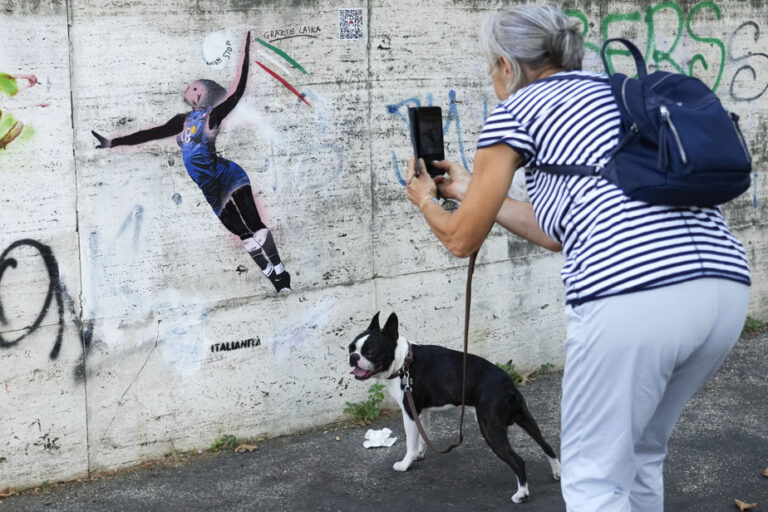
(436, 373)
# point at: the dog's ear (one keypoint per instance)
(374, 323)
(390, 328)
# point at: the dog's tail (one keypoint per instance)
(520, 414)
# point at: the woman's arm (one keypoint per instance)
(225, 107)
(464, 231)
(484, 202)
(172, 127)
(518, 217)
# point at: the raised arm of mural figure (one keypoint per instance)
(236, 89)
(169, 129)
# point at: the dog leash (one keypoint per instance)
(407, 382)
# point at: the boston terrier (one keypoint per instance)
(436, 376)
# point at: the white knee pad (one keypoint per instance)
(261, 236)
(251, 245)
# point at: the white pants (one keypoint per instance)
(632, 363)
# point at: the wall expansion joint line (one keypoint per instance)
(79, 322)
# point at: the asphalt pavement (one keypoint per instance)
(717, 454)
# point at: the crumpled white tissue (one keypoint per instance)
(377, 438)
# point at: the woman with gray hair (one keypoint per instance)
(655, 295)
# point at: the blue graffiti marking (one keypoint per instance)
(453, 118)
(754, 190)
(135, 217)
(398, 174)
(453, 114)
(395, 110)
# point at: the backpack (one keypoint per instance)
(677, 145)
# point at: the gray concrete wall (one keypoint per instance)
(123, 283)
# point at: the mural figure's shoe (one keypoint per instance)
(281, 282)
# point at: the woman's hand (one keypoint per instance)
(421, 187)
(455, 185)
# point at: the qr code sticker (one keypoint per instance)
(351, 24)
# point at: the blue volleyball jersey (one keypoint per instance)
(217, 177)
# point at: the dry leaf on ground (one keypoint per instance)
(765, 472)
(7, 493)
(246, 448)
(744, 506)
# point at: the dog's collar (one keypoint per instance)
(402, 372)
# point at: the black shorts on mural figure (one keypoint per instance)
(224, 184)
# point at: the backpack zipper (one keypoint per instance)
(624, 93)
(663, 157)
(665, 115)
(735, 121)
(660, 80)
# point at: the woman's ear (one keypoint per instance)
(504, 65)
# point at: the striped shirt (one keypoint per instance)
(611, 243)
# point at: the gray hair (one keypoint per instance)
(533, 36)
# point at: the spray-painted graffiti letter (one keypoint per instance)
(54, 291)
(395, 110)
(747, 68)
(661, 55)
(698, 57)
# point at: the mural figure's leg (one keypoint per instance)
(241, 217)
(279, 277)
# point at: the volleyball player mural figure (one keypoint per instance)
(225, 185)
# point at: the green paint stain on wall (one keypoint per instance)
(27, 133)
(6, 123)
(8, 84)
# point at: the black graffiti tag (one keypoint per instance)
(54, 291)
(746, 68)
(57, 291)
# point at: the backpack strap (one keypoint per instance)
(639, 60)
(570, 170)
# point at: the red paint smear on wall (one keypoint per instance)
(282, 81)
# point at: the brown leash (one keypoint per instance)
(407, 382)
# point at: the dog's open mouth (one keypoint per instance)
(361, 374)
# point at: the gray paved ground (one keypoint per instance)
(718, 452)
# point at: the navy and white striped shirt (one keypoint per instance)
(612, 244)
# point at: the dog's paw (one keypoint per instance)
(402, 465)
(521, 495)
(556, 468)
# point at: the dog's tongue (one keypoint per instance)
(359, 372)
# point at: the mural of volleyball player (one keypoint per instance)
(224, 183)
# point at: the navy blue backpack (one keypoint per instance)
(677, 146)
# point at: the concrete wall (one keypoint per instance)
(118, 286)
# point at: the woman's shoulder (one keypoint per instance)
(538, 97)
(579, 74)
